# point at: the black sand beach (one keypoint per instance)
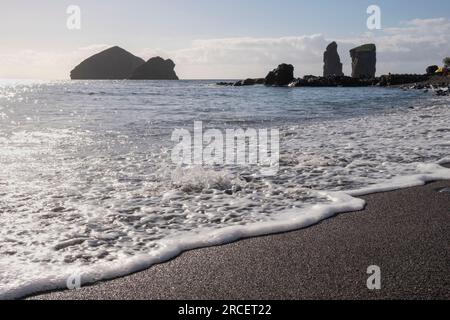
(405, 232)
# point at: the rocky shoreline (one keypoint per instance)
(438, 83)
(363, 74)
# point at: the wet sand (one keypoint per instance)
(405, 232)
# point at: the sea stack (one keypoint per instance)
(112, 64)
(364, 60)
(332, 61)
(155, 69)
(281, 76)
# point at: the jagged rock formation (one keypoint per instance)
(112, 64)
(364, 60)
(332, 61)
(155, 69)
(281, 76)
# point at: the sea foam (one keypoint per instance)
(89, 196)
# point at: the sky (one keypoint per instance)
(229, 39)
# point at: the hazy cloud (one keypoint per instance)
(411, 47)
(408, 48)
(44, 64)
(253, 57)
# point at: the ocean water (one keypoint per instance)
(88, 190)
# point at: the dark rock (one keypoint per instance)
(332, 61)
(400, 79)
(112, 64)
(249, 82)
(364, 60)
(222, 83)
(155, 69)
(332, 81)
(442, 92)
(281, 76)
(432, 69)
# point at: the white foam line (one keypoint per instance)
(286, 221)
(434, 172)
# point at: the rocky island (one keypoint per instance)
(155, 69)
(281, 76)
(118, 64)
(332, 62)
(112, 64)
(364, 60)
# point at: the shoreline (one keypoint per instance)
(201, 282)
